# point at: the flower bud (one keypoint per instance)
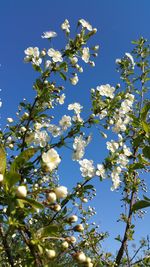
(73, 219)
(61, 192)
(85, 200)
(10, 120)
(80, 256)
(11, 145)
(50, 253)
(56, 207)
(1, 177)
(79, 228)
(65, 245)
(23, 129)
(21, 191)
(51, 197)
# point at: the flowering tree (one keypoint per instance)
(41, 222)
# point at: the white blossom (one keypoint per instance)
(41, 138)
(129, 56)
(85, 24)
(48, 64)
(65, 122)
(76, 107)
(51, 159)
(66, 26)
(36, 61)
(112, 146)
(103, 114)
(74, 80)
(55, 54)
(49, 34)
(54, 130)
(32, 51)
(122, 160)
(106, 90)
(61, 99)
(87, 169)
(85, 54)
(127, 151)
(115, 178)
(100, 170)
(79, 147)
(61, 191)
(74, 60)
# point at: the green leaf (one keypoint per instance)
(32, 202)
(63, 76)
(89, 186)
(144, 111)
(22, 159)
(50, 230)
(146, 127)
(146, 152)
(11, 178)
(136, 166)
(2, 160)
(141, 205)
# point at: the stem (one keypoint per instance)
(37, 260)
(6, 247)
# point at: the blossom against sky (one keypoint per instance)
(23, 23)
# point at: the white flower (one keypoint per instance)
(49, 34)
(129, 56)
(77, 118)
(87, 168)
(76, 107)
(36, 61)
(65, 245)
(54, 130)
(10, 120)
(65, 122)
(85, 24)
(85, 54)
(103, 114)
(112, 146)
(21, 191)
(65, 26)
(79, 147)
(61, 99)
(122, 160)
(115, 178)
(74, 80)
(51, 197)
(55, 54)
(50, 253)
(61, 191)
(48, 64)
(127, 151)
(1, 177)
(106, 90)
(74, 60)
(51, 159)
(100, 170)
(41, 138)
(32, 51)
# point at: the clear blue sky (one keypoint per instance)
(118, 22)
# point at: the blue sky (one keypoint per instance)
(118, 22)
